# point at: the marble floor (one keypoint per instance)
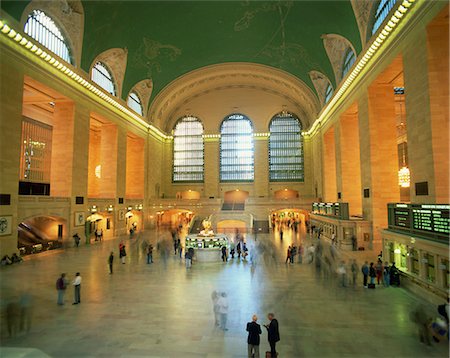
(164, 310)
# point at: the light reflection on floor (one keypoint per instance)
(165, 311)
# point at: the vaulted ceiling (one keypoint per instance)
(166, 39)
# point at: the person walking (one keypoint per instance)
(224, 253)
(215, 298)
(61, 285)
(150, 254)
(365, 272)
(288, 254)
(222, 302)
(110, 262)
(254, 330)
(122, 252)
(281, 233)
(379, 271)
(273, 334)
(293, 253)
(77, 288)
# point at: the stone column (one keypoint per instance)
(212, 161)
(261, 166)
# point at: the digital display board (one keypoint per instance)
(335, 210)
(429, 220)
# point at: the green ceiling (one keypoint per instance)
(166, 39)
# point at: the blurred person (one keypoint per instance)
(12, 318)
(379, 270)
(386, 274)
(224, 253)
(61, 285)
(122, 252)
(15, 258)
(273, 334)
(180, 249)
(222, 302)
(394, 275)
(443, 310)
(6, 261)
(300, 254)
(354, 268)
(293, 253)
(342, 272)
(150, 254)
(215, 298)
(253, 339)
(365, 272)
(110, 262)
(238, 249)
(421, 320)
(76, 238)
(77, 289)
(244, 251)
(281, 233)
(288, 254)
(25, 303)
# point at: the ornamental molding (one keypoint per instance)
(144, 89)
(336, 47)
(116, 60)
(320, 82)
(229, 76)
(363, 10)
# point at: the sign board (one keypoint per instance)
(426, 220)
(334, 210)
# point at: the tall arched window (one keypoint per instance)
(134, 102)
(383, 9)
(236, 149)
(328, 93)
(44, 30)
(349, 60)
(285, 148)
(102, 76)
(188, 156)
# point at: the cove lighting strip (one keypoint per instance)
(402, 9)
(76, 78)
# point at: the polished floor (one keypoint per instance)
(164, 310)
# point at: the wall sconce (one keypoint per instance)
(93, 209)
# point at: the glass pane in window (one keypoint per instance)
(101, 75)
(188, 155)
(383, 9)
(328, 93)
(285, 149)
(349, 60)
(44, 30)
(236, 149)
(134, 102)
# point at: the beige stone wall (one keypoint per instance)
(135, 168)
(329, 165)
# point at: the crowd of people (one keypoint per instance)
(14, 259)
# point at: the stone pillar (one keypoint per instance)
(212, 169)
(338, 159)
(261, 166)
(108, 159)
(418, 118)
(62, 149)
(121, 163)
(11, 87)
(329, 165)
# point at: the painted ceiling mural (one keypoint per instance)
(166, 39)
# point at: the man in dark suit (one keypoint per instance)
(273, 334)
(254, 330)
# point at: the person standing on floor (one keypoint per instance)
(110, 262)
(77, 288)
(254, 330)
(61, 285)
(281, 233)
(215, 298)
(224, 253)
(372, 273)
(222, 302)
(365, 272)
(386, 274)
(288, 254)
(273, 334)
(379, 271)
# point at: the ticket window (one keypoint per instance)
(445, 273)
(415, 262)
(431, 270)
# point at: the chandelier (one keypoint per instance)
(404, 177)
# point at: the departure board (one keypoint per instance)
(429, 220)
(335, 210)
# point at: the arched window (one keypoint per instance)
(236, 149)
(134, 102)
(285, 148)
(383, 9)
(328, 93)
(102, 76)
(44, 30)
(188, 157)
(349, 60)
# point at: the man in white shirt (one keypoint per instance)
(222, 303)
(77, 286)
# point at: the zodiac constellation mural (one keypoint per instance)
(151, 53)
(279, 52)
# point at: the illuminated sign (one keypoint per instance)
(334, 210)
(426, 220)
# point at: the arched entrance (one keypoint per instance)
(41, 233)
(289, 217)
(173, 217)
